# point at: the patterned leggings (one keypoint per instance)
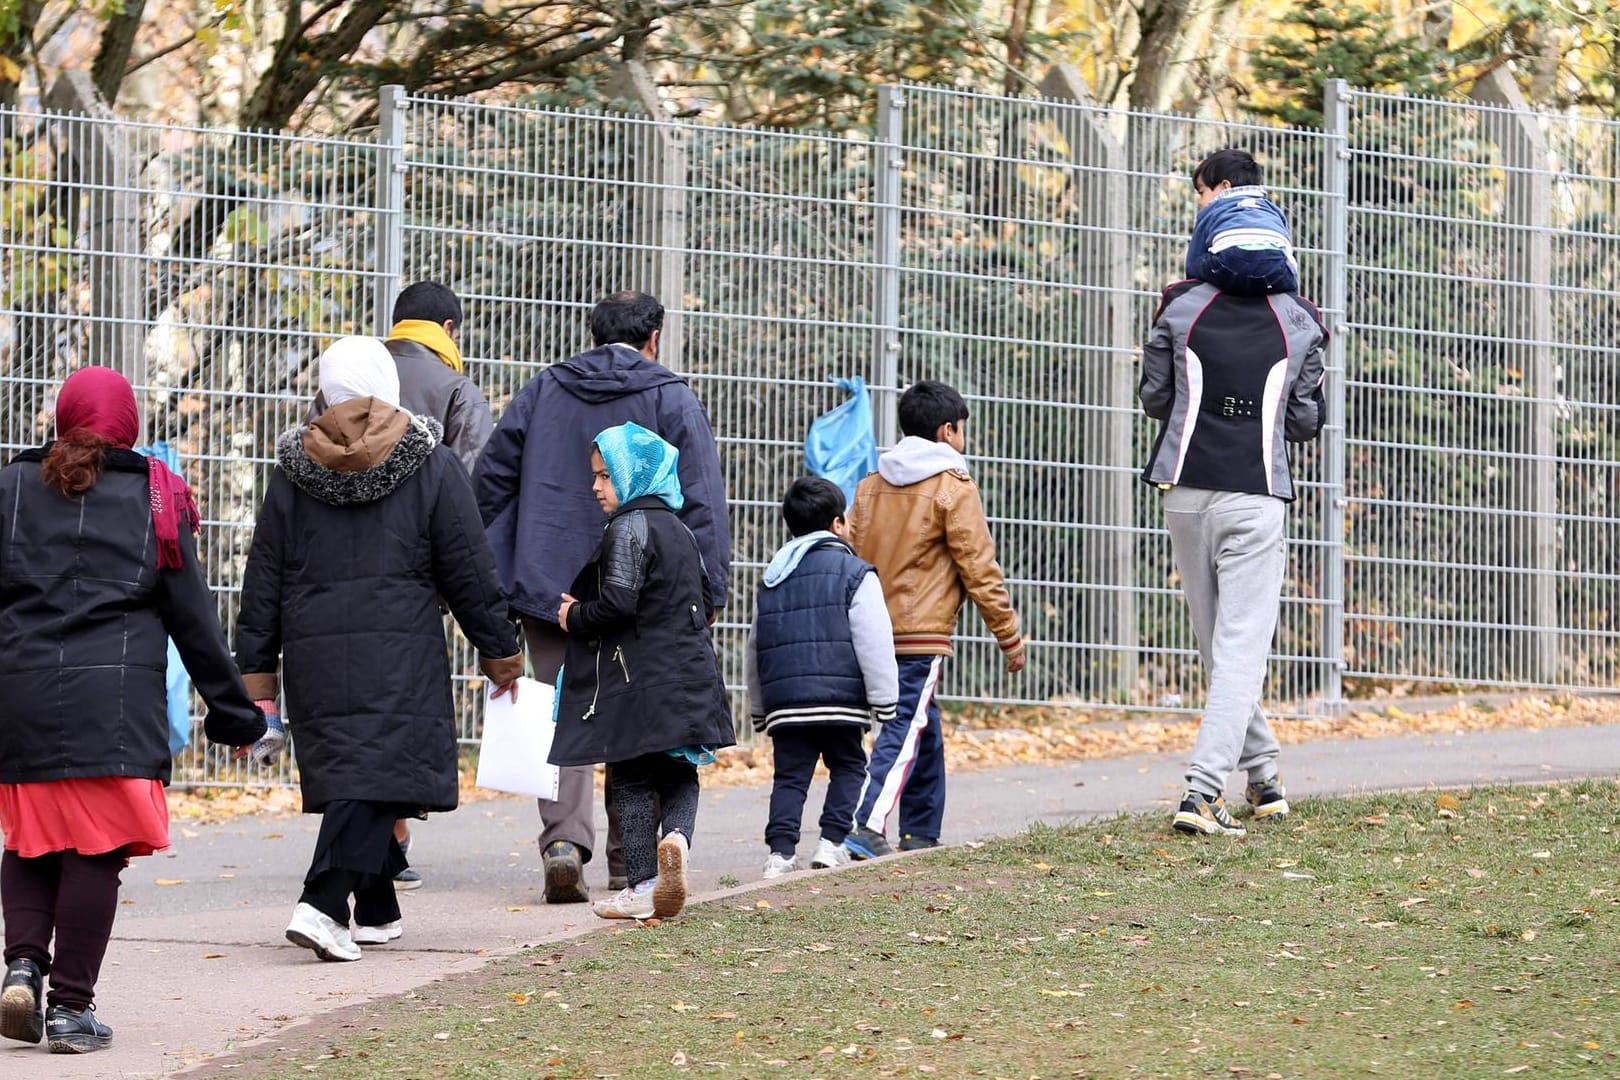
(641, 787)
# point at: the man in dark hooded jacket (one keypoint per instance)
(534, 492)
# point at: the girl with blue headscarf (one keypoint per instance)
(641, 688)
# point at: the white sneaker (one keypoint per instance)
(828, 855)
(669, 897)
(780, 866)
(321, 934)
(379, 935)
(632, 903)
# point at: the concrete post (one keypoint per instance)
(1335, 298)
(1531, 594)
(656, 260)
(1110, 622)
(107, 173)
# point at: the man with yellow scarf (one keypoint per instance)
(433, 382)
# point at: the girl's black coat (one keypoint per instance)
(85, 615)
(344, 589)
(640, 674)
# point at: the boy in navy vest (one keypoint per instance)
(820, 668)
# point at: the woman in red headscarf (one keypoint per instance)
(97, 570)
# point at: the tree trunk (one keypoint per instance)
(1017, 45)
(301, 61)
(117, 42)
(15, 45)
(1163, 24)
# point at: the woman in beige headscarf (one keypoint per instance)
(368, 522)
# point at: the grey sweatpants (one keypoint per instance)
(1228, 547)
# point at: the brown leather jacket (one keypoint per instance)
(933, 550)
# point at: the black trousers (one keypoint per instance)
(651, 791)
(72, 896)
(355, 855)
(796, 751)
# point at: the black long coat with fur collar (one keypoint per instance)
(343, 584)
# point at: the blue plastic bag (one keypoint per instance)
(840, 445)
(176, 678)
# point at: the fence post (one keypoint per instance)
(1335, 302)
(888, 163)
(1527, 212)
(108, 174)
(657, 259)
(390, 269)
(1110, 622)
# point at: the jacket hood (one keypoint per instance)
(787, 560)
(914, 459)
(609, 372)
(357, 452)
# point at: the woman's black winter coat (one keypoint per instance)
(85, 618)
(640, 674)
(343, 584)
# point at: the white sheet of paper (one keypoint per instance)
(517, 742)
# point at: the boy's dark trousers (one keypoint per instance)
(907, 769)
(796, 749)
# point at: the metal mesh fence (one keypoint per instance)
(1481, 394)
(208, 266)
(1455, 523)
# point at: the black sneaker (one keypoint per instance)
(21, 1017)
(1201, 814)
(565, 874)
(76, 1031)
(1268, 798)
(908, 842)
(406, 880)
(618, 882)
(862, 843)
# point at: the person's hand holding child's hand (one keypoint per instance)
(503, 673)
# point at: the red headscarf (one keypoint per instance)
(99, 401)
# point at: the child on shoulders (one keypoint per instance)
(1240, 241)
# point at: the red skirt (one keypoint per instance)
(91, 815)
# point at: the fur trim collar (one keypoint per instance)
(369, 485)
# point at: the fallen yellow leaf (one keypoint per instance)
(213, 956)
(1447, 802)
(170, 881)
(518, 998)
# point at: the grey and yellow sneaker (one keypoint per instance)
(1202, 815)
(1268, 798)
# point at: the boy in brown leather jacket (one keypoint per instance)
(919, 521)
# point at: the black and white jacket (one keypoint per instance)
(1232, 380)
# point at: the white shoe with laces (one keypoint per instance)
(829, 855)
(780, 866)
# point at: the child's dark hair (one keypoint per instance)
(428, 300)
(928, 404)
(812, 503)
(626, 318)
(1233, 165)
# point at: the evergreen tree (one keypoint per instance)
(1338, 41)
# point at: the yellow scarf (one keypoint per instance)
(432, 335)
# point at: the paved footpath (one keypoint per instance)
(198, 965)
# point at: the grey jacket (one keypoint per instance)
(429, 387)
(1232, 379)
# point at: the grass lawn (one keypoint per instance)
(1451, 935)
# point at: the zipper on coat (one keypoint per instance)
(618, 655)
(590, 712)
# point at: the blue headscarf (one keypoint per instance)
(640, 463)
